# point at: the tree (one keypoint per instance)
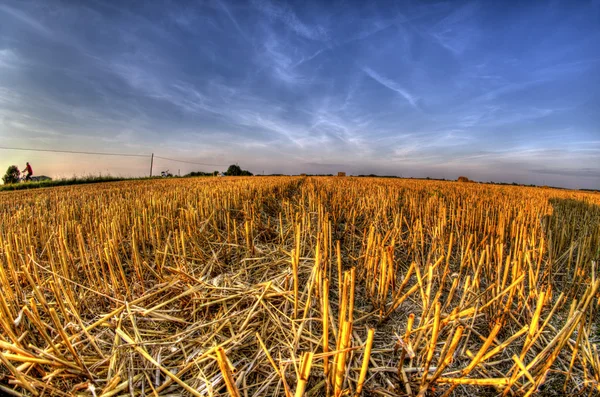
(12, 175)
(233, 170)
(236, 170)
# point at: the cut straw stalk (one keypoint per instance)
(498, 382)
(432, 341)
(225, 368)
(325, 322)
(340, 360)
(488, 342)
(447, 358)
(365, 363)
(295, 259)
(534, 325)
(67, 342)
(305, 365)
(405, 344)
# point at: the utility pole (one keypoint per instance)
(151, 162)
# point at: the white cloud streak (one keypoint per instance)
(392, 85)
(289, 18)
(25, 18)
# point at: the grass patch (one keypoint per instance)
(84, 180)
(64, 182)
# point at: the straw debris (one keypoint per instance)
(298, 286)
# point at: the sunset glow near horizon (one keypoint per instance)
(505, 92)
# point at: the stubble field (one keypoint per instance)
(293, 286)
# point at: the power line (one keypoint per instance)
(75, 152)
(110, 154)
(190, 162)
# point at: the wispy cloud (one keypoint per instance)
(392, 85)
(288, 17)
(223, 6)
(580, 172)
(25, 18)
(456, 31)
(8, 59)
(508, 88)
(278, 59)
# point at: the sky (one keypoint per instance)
(495, 91)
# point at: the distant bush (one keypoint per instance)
(12, 175)
(463, 179)
(236, 170)
(200, 173)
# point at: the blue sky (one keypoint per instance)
(492, 90)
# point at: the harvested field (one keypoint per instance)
(293, 286)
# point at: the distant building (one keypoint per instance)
(341, 174)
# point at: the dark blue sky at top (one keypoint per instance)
(504, 91)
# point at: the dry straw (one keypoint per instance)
(299, 286)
